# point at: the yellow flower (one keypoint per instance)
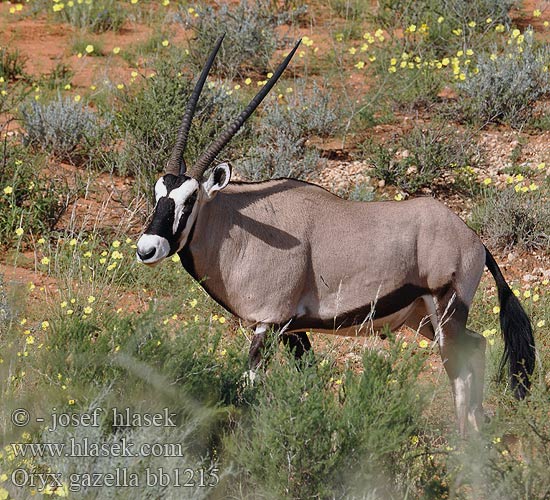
(4, 494)
(63, 304)
(165, 2)
(175, 258)
(527, 294)
(487, 181)
(536, 297)
(19, 231)
(193, 303)
(248, 81)
(165, 43)
(360, 65)
(45, 261)
(541, 166)
(541, 323)
(537, 13)
(116, 50)
(77, 98)
(41, 241)
(91, 299)
(73, 242)
(8, 190)
(88, 310)
(45, 325)
(440, 19)
(308, 42)
(496, 310)
(398, 197)
(221, 320)
(29, 340)
(71, 401)
(89, 49)
(423, 344)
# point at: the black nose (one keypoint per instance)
(147, 255)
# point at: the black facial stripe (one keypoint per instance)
(187, 209)
(163, 219)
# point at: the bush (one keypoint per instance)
(504, 89)
(420, 158)
(29, 201)
(281, 148)
(442, 18)
(313, 435)
(508, 218)
(149, 117)
(97, 15)
(250, 36)
(63, 127)
(12, 64)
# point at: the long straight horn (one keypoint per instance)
(210, 154)
(176, 164)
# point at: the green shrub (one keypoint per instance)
(250, 37)
(352, 10)
(281, 147)
(60, 76)
(313, 435)
(29, 201)
(97, 16)
(449, 24)
(420, 158)
(62, 127)
(149, 115)
(12, 64)
(507, 218)
(504, 88)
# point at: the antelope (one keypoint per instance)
(287, 254)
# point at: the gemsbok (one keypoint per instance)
(287, 254)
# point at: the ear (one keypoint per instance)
(219, 178)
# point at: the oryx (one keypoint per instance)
(287, 253)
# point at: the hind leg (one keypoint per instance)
(297, 342)
(463, 355)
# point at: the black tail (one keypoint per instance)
(519, 344)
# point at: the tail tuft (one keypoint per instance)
(519, 343)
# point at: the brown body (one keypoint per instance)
(285, 250)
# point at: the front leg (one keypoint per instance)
(257, 347)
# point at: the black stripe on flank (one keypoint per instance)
(385, 306)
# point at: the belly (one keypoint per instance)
(353, 326)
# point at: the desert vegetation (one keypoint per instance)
(384, 101)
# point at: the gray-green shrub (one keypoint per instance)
(63, 127)
(421, 157)
(281, 147)
(250, 37)
(507, 218)
(503, 89)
